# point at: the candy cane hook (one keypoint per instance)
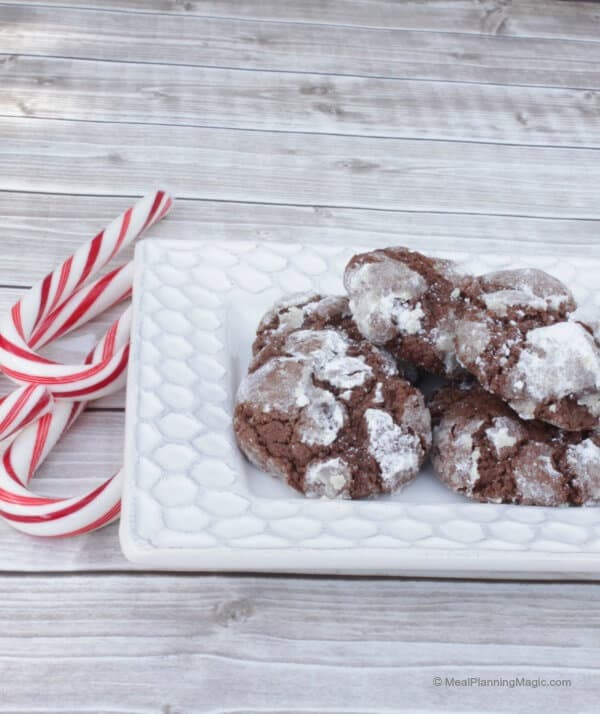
(34, 417)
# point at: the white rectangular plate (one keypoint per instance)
(191, 501)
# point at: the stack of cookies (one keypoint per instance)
(329, 402)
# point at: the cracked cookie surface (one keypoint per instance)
(515, 336)
(483, 450)
(331, 416)
(306, 311)
(405, 302)
(311, 311)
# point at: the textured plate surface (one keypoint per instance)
(191, 501)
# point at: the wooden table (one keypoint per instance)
(471, 123)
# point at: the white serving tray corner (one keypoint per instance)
(192, 502)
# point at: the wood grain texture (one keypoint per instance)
(94, 552)
(41, 230)
(199, 96)
(134, 643)
(87, 157)
(90, 452)
(87, 454)
(296, 47)
(215, 644)
(531, 18)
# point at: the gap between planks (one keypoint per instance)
(189, 643)
(298, 131)
(376, 174)
(293, 47)
(8, 57)
(305, 103)
(300, 206)
(541, 18)
(196, 575)
(42, 229)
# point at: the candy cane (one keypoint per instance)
(57, 394)
(21, 407)
(43, 516)
(27, 322)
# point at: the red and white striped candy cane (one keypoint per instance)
(21, 407)
(56, 394)
(42, 516)
(30, 320)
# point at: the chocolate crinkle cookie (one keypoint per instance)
(515, 336)
(304, 311)
(311, 311)
(331, 415)
(482, 449)
(513, 330)
(405, 301)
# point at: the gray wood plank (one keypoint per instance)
(295, 47)
(532, 18)
(390, 174)
(216, 644)
(198, 96)
(93, 552)
(40, 230)
(86, 455)
(90, 452)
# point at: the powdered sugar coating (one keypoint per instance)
(291, 312)
(390, 366)
(309, 311)
(408, 320)
(414, 418)
(285, 385)
(484, 450)
(327, 351)
(503, 434)
(405, 301)
(388, 291)
(527, 290)
(516, 335)
(472, 338)
(329, 478)
(537, 481)
(584, 461)
(279, 385)
(443, 339)
(501, 301)
(397, 451)
(321, 420)
(299, 413)
(591, 402)
(589, 316)
(556, 361)
(464, 473)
